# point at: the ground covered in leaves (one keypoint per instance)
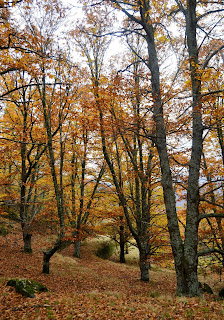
(94, 289)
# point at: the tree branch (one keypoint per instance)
(210, 215)
(209, 251)
(130, 16)
(212, 55)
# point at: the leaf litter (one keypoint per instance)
(92, 289)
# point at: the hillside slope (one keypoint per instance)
(93, 289)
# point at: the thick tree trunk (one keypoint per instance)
(187, 279)
(221, 143)
(169, 194)
(144, 254)
(77, 249)
(27, 242)
(46, 263)
(182, 289)
(192, 221)
(161, 145)
(185, 253)
(144, 266)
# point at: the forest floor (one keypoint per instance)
(94, 289)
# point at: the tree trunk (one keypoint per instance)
(144, 266)
(46, 263)
(122, 244)
(187, 278)
(192, 220)
(126, 248)
(27, 242)
(47, 256)
(185, 253)
(77, 249)
(161, 145)
(181, 278)
(192, 277)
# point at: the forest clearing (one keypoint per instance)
(93, 288)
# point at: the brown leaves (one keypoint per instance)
(92, 288)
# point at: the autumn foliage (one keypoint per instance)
(126, 143)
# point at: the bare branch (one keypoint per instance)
(208, 13)
(209, 251)
(212, 55)
(210, 215)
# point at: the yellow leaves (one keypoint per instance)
(162, 38)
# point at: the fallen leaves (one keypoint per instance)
(93, 289)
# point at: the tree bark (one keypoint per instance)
(192, 221)
(122, 244)
(48, 254)
(167, 183)
(77, 249)
(58, 188)
(27, 242)
(144, 265)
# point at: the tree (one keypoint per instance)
(211, 197)
(86, 168)
(11, 40)
(119, 147)
(53, 76)
(144, 15)
(20, 129)
(194, 51)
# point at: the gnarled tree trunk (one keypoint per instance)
(47, 256)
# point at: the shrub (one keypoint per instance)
(105, 250)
